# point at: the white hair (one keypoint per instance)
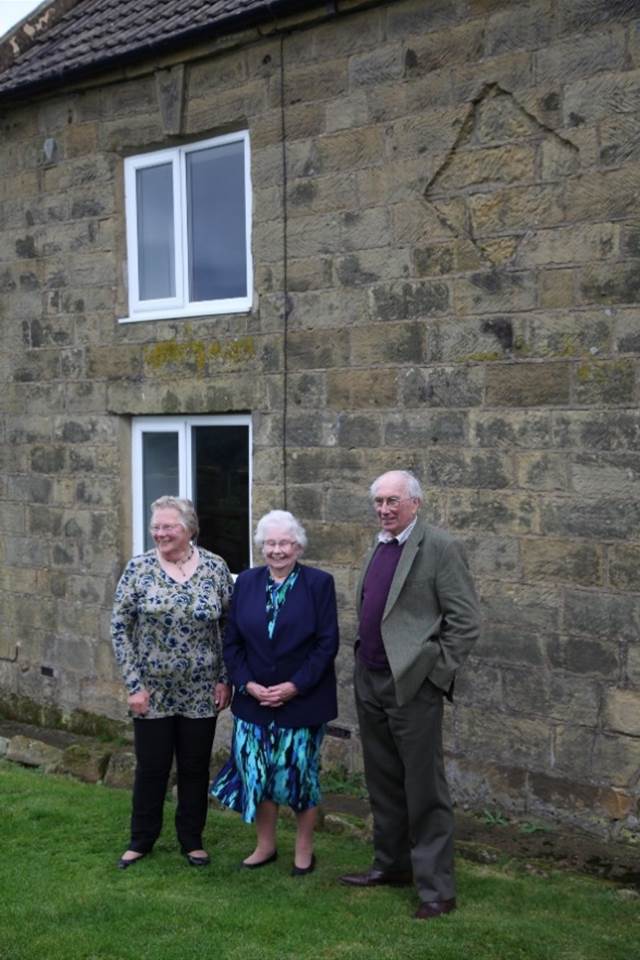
(284, 520)
(187, 516)
(414, 490)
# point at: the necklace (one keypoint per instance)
(182, 561)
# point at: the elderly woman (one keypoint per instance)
(280, 645)
(166, 636)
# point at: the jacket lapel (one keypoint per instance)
(405, 563)
(363, 573)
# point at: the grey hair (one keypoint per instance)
(188, 518)
(279, 518)
(414, 490)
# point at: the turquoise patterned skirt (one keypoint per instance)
(275, 763)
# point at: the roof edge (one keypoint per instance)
(26, 31)
(54, 10)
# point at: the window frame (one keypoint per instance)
(179, 306)
(182, 426)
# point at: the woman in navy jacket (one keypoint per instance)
(280, 645)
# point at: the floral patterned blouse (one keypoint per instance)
(167, 635)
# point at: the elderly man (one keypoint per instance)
(418, 617)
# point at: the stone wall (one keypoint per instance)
(446, 252)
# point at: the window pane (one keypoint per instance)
(216, 211)
(159, 473)
(156, 256)
(221, 491)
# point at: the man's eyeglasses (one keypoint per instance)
(391, 502)
(164, 527)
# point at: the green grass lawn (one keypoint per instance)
(61, 897)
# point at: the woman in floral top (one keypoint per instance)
(166, 636)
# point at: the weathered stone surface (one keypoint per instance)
(622, 711)
(34, 753)
(120, 770)
(446, 251)
(85, 762)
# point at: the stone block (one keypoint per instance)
(320, 195)
(479, 340)
(516, 209)
(542, 471)
(517, 604)
(622, 711)
(120, 770)
(572, 749)
(528, 384)
(429, 134)
(608, 474)
(582, 56)
(34, 753)
(609, 430)
(86, 762)
(309, 274)
(494, 292)
(496, 166)
(624, 564)
(517, 28)
(409, 300)
(357, 389)
(492, 557)
(438, 49)
(565, 334)
(520, 741)
(383, 65)
(500, 513)
(609, 519)
(421, 430)
(568, 245)
(610, 283)
(616, 759)
(358, 430)
(602, 615)
(512, 72)
(478, 470)
(560, 561)
(459, 386)
(607, 195)
(416, 17)
(556, 696)
(314, 349)
(599, 658)
(323, 80)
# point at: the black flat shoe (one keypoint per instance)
(261, 863)
(197, 861)
(303, 871)
(123, 864)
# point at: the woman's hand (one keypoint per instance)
(222, 696)
(139, 702)
(274, 696)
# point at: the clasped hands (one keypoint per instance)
(275, 696)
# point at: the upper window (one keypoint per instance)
(188, 212)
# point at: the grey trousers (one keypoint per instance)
(405, 774)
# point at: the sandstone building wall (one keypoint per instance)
(446, 250)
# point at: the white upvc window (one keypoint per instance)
(188, 214)
(204, 458)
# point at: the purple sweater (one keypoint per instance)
(375, 591)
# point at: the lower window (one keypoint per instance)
(208, 460)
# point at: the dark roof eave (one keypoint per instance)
(232, 23)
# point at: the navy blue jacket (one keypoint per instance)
(303, 647)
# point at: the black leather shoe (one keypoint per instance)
(430, 909)
(261, 863)
(377, 878)
(123, 864)
(303, 871)
(197, 861)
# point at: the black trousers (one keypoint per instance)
(156, 743)
(405, 774)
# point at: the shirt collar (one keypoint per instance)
(385, 537)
